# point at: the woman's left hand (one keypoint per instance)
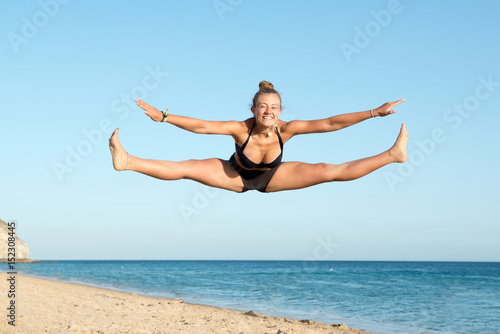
(151, 111)
(386, 108)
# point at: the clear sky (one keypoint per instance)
(71, 69)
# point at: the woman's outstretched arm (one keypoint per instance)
(193, 124)
(338, 122)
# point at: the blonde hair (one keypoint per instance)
(265, 87)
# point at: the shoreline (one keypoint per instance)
(3, 260)
(45, 305)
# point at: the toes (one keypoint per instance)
(115, 134)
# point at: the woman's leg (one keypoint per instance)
(211, 172)
(296, 175)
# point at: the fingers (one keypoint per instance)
(150, 111)
(395, 103)
(390, 105)
(141, 103)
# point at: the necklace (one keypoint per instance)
(270, 132)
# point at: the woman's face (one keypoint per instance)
(267, 109)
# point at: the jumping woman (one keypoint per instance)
(256, 163)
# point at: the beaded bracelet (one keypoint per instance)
(165, 114)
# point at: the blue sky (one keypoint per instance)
(71, 69)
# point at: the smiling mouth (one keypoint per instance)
(267, 117)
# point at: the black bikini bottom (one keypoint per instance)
(253, 179)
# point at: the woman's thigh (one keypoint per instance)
(214, 173)
(296, 175)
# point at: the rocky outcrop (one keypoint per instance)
(22, 252)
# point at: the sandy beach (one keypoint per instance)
(46, 306)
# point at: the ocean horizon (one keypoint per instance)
(377, 296)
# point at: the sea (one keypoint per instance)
(380, 297)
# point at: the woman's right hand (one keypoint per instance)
(151, 111)
(386, 108)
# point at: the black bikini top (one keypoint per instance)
(249, 164)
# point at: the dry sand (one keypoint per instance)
(46, 306)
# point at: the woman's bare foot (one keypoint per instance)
(120, 156)
(398, 150)
(151, 111)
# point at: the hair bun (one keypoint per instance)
(265, 85)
